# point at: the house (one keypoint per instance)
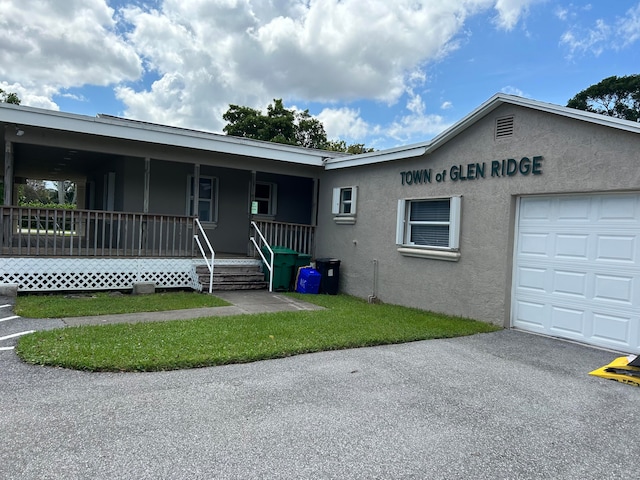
(523, 214)
(144, 190)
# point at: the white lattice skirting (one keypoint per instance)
(61, 274)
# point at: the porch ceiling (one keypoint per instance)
(54, 163)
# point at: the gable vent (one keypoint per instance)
(504, 127)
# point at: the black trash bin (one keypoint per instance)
(329, 268)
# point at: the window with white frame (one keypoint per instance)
(344, 201)
(207, 208)
(432, 223)
(266, 197)
(344, 205)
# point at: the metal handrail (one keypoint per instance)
(269, 264)
(204, 255)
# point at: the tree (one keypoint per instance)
(291, 127)
(614, 96)
(9, 97)
(341, 146)
(35, 192)
(279, 125)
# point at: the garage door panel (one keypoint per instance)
(611, 329)
(613, 288)
(532, 279)
(531, 315)
(618, 248)
(567, 321)
(570, 283)
(619, 208)
(535, 244)
(573, 246)
(536, 209)
(577, 269)
(573, 209)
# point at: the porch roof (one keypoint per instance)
(22, 118)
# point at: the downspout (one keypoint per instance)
(373, 298)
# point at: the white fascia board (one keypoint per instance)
(597, 118)
(376, 157)
(158, 134)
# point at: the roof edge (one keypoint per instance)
(481, 111)
(117, 127)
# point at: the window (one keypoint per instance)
(207, 209)
(344, 201)
(344, 204)
(429, 225)
(265, 196)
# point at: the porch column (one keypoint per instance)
(196, 188)
(252, 198)
(81, 195)
(252, 192)
(8, 173)
(314, 213)
(314, 205)
(147, 177)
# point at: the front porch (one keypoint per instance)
(44, 249)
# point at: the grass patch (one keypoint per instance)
(347, 322)
(102, 303)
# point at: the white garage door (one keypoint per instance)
(577, 269)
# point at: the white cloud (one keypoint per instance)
(49, 46)
(510, 12)
(206, 54)
(562, 13)
(628, 27)
(248, 52)
(416, 127)
(446, 105)
(603, 36)
(30, 98)
(509, 90)
(592, 41)
(345, 124)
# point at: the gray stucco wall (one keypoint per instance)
(577, 157)
(168, 195)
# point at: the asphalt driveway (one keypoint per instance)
(504, 405)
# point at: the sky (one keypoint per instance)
(378, 72)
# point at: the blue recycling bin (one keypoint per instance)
(308, 280)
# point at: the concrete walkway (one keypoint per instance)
(242, 302)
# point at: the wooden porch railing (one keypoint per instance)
(90, 233)
(300, 238)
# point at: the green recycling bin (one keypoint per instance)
(284, 260)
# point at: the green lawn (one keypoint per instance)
(347, 322)
(101, 303)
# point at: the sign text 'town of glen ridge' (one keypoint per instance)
(473, 171)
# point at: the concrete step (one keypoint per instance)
(240, 286)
